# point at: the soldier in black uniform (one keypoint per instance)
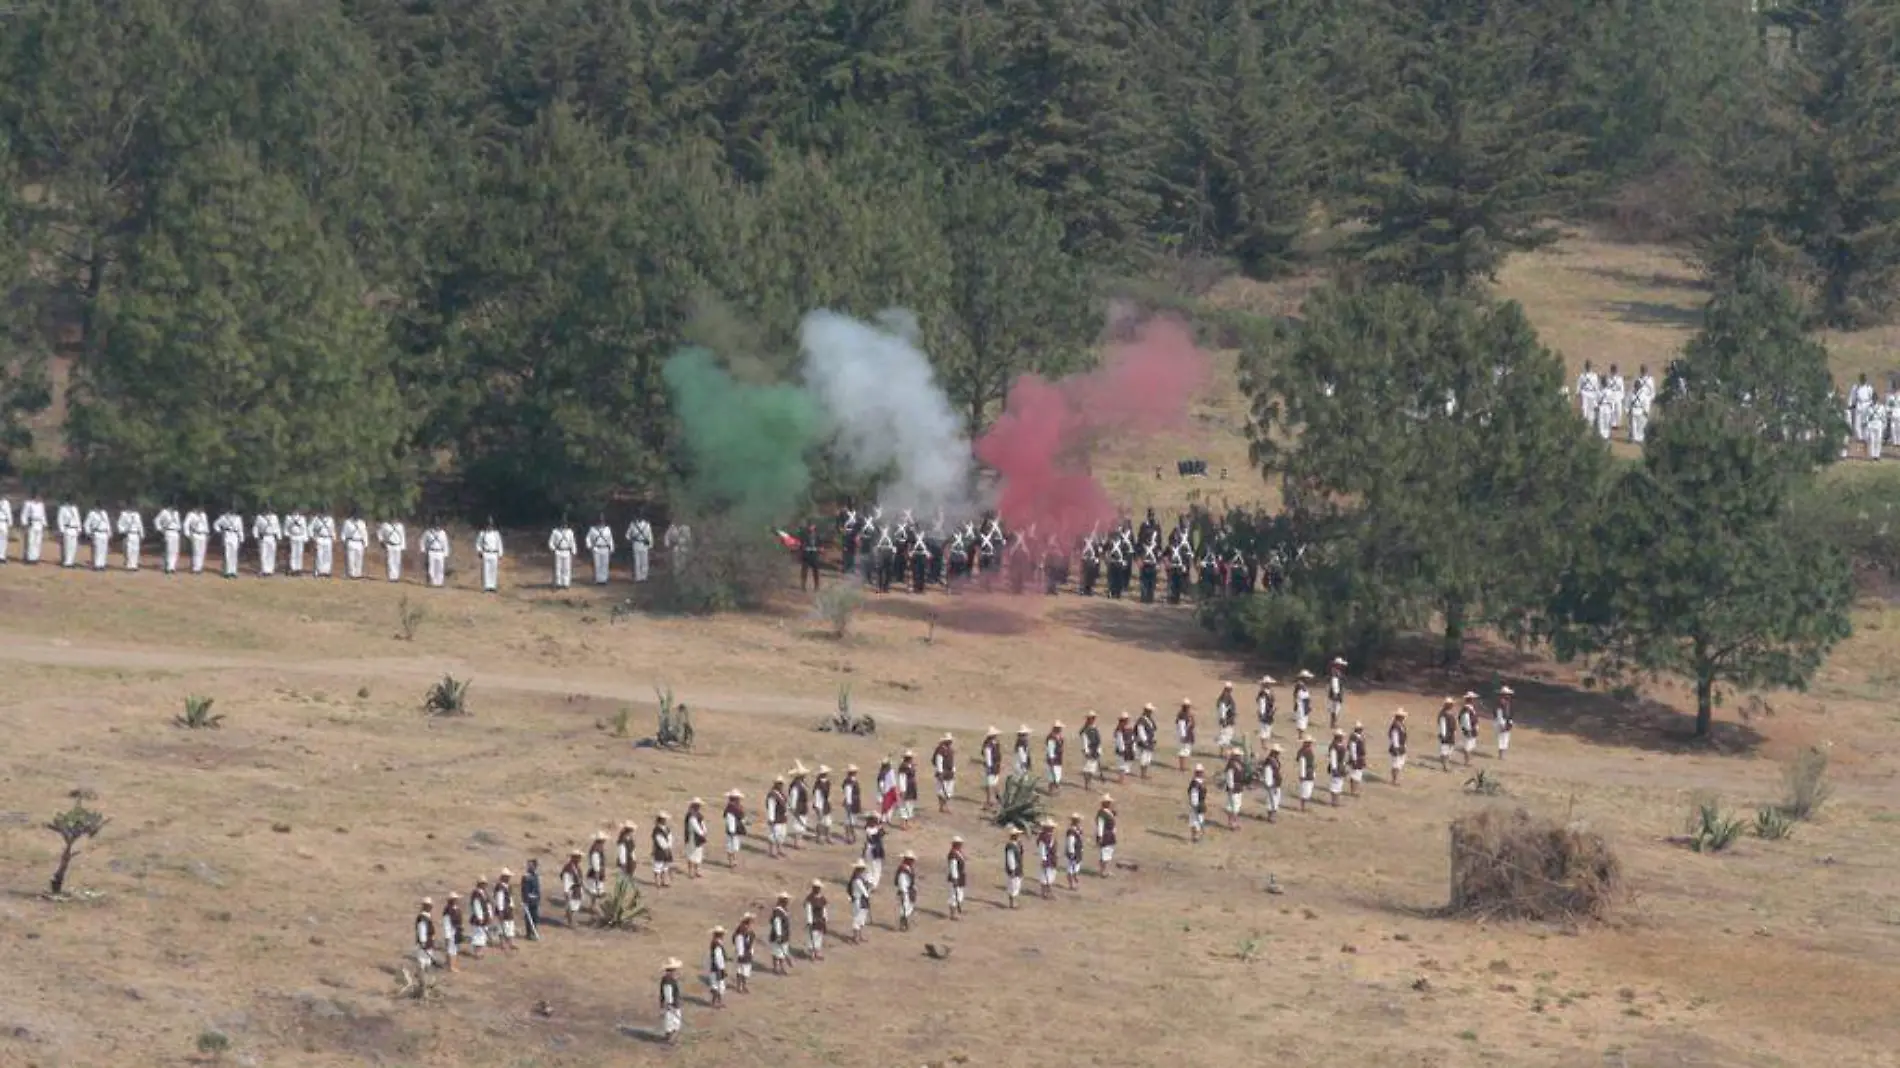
(1055, 566)
(1177, 572)
(883, 559)
(1150, 565)
(1091, 564)
(808, 556)
(936, 541)
(989, 549)
(956, 562)
(1150, 530)
(848, 525)
(1020, 564)
(1210, 573)
(919, 563)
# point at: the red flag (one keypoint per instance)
(790, 541)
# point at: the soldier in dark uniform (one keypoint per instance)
(1177, 572)
(808, 556)
(919, 563)
(989, 549)
(1020, 564)
(1150, 565)
(1150, 530)
(1210, 573)
(936, 541)
(1091, 564)
(1236, 572)
(848, 524)
(883, 559)
(1055, 566)
(956, 562)
(1117, 561)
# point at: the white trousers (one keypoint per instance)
(491, 572)
(1639, 424)
(640, 554)
(5, 534)
(230, 555)
(132, 542)
(68, 548)
(101, 550)
(199, 542)
(296, 555)
(267, 555)
(438, 566)
(325, 547)
(601, 559)
(1876, 436)
(563, 570)
(1606, 420)
(392, 564)
(353, 559)
(1590, 402)
(34, 536)
(171, 551)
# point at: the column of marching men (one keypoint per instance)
(1609, 404)
(804, 806)
(186, 539)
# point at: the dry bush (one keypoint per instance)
(1808, 788)
(730, 567)
(1514, 865)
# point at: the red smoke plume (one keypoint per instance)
(1042, 444)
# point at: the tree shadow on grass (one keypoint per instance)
(1161, 628)
(961, 613)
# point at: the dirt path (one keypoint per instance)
(60, 652)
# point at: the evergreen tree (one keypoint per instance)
(1755, 359)
(240, 359)
(1844, 190)
(25, 390)
(1435, 427)
(1696, 566)
(1468, 155)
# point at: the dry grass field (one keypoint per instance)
(258, 880)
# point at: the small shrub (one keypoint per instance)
(72, 825)
(844, 722)
(1515, 865)
(1808, 788)
(730, 567)
(621, 719)
(198, 715)
(838, 604)
(408, 617)
(213, 1043)
(1710, 829)
(622, 908)
(1484, 784)
(676, 723)
(1773, 824)
(417, 985)
(447, 698)
(1020, 806)
(1247, 950)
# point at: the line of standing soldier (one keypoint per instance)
(904, 552)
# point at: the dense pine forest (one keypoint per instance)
(342, 250)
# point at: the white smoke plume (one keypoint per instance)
(890, 417)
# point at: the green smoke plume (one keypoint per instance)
(746, 441)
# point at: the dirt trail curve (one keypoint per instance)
(60, 652)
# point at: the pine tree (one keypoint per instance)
(1696, 566)
(240, 359)
(1844, 190)
(1467, 154)
(25, 390)
(1426, 436)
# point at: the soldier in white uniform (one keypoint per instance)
(169, 526)
(69, 527)
(1893, 411)
(355, 536)
(435, 553)
(561, 544)
(131, 527)
(6, 527)
(198, 533)
(1589, 393)
(679, 542)
(488, 547)
(1859, 401)
(1616, 395)
(394, 539)
(99, 531)
(640, 540)
(323, 533)
(297, 532)
(1876, 429)
(1641, 399)
(33, 519)
(230, 529)
(600, 542)
(267, 528)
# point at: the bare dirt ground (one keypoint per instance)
(198, 913)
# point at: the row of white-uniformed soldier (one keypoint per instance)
(317, 535)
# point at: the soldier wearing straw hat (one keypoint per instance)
(958, 875)
(1336, 765)
(1197, 803)
(1356, 758)
(1072, 851)
(1013, 865)
(992, 757)
(851, 793)
(734, 817)
(1447, 732)
(1263, 708)
(821, 803)
(905, 882)
(1468, 725)
(696, 836)
(425, 934)
(1052, 747)
(1091, 736)
(716, 967)
(451, 927)
(778, 933)
(626, 849)
(1046, 855)
(1233, 779)
(1105, 833)
(671, 1015)
(1272, 780)
(596, 881)
(775, 819)
(1147, 737)
(798, 797)
(1306, 762)
(943, 765)
(1184, 734)
(1502, 720)
(573, 884)
(817, 919)
(1336, 691)
(743, 939)
(662, 850)
(1395, 743)
(858, 889)
(1302, 701)
(1124, 740)
(505, 909)
(1226, 713)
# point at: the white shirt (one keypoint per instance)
(1863, 395)
(131, 523)
(393, 536)
(679, 536)
(231, 526)
(561, 541)
(33, 514)
(600, 538)
(1589, 384)
(435, 541)
(640, 532)
(323, 528)
(197, 524)
(6, 512)
(266, 526)
(296, 527)
(355, 531)
(166, 521)
(97, 523)
(488, 542)
(68, 517)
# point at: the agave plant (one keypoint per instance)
(622, 908)
(1020, 805)
(447, 698)
(198, 715)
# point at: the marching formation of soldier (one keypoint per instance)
(303, 544)
(1127, 560)
(805, 806)
(1608, 404)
